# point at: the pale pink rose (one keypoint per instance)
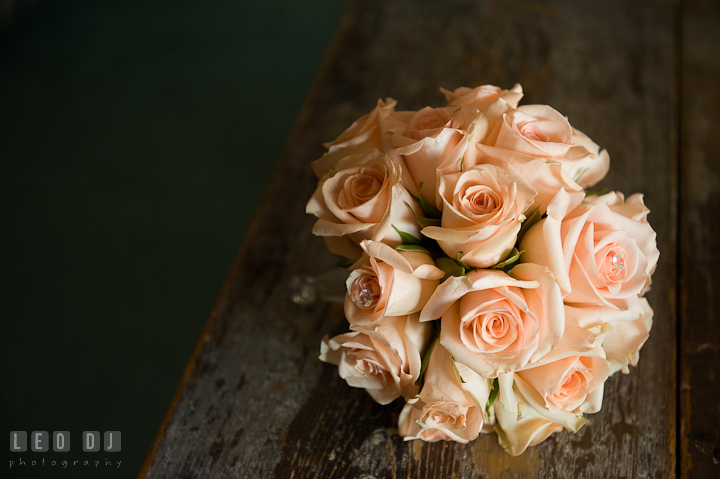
(362, 137)
(623, 341)
(482, 214)
(446, 409)
(633, 207)
(361, 200)
(545, 175)
(542, 132)
(421, 141)
(386, 362)
(481, 97)
(594, 316)
(478, 129)
(386, 282)
(587, 170)
(562, 385)
(494, 322)
(521, 427)
(598, 256)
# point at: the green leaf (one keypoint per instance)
(425, 361)
(450, 267)
(494, 389)
(457, 373)
(462, 160)
(429, 210)
(531, 219)
(412, 247)
(423, 222)
(407, 238)
(597, 193)
(461, 263)
(514, 256)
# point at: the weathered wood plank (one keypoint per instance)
(258, 403)
(699, 240)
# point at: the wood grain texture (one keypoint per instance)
(700, 230)
(256, 401)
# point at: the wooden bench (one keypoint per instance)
(641, 78)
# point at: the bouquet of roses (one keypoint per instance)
(490, 289)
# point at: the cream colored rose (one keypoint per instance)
(362, 137)
(386, 362)
(562, 385)
(598, 256)
(482, 214)
(495, 323)
(623, 342)
(633, 208)
(540, 131)
(545, 175)
(587, 170)
(594, 316)
(385, 282)
(360, 200)
(481, 97)
(446, 409)
(421, 141)
(521, 427)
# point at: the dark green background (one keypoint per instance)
(136, 139)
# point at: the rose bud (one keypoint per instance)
(445, 410)
(385, 362)
(386, 282)
(362, 200)
(598, 253)
(482, 214)
(494, 322)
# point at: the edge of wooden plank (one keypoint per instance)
(679, 446)
(330, 54)
(697, 446)
(204, 337)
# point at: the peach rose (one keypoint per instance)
(446, 409)
(595, 316)
(590, 169)
(598, 256)
(494, 322)
(386, 362)
(545, 175)
(363, 136)
(482, 214)
(633, 207)
(360, 200)
(623, 342)
(541, 131)
(482, 96)
(521, 427)
(385, 282)
(421, 141)
(562, 385)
